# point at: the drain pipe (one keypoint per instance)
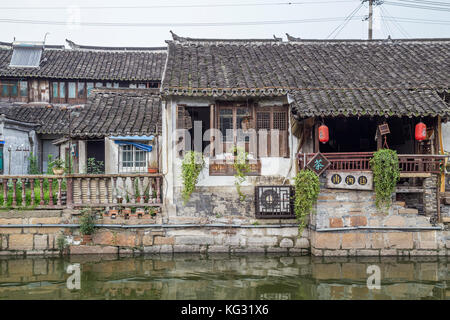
(135, 226)
(378, 228)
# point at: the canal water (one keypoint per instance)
(224, 277)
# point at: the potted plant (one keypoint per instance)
(58, 166)
(87, 227)
(153, 165)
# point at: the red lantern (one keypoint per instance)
(421, 131)
(323, 134)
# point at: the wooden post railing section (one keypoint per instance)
(81, 190)
(359, 161)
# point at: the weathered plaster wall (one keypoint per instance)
(279, 168)
(16, 162)
(446, 136)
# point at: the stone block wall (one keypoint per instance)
(372, 232)
(349, 208)
(150, 238)
(200, 239)
(30, 240)
(430, 195)
(380, 243)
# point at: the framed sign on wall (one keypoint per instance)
(355, 180)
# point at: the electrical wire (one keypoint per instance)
(218, 5)
(410, 5)
(435, 3)
(386, 14)
(176, 24)
(344, 23)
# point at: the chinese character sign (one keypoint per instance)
(319, 163)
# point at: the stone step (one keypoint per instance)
(446, 219)
(408, 211)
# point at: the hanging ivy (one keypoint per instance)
(386, 174)
(307, 188)
(191, 167)
(242, 167)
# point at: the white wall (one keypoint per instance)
(270, 166)
(446, 136)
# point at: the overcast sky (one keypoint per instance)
(69, 13)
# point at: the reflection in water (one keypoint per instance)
(224, 277)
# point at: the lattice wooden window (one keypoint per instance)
(269, 119)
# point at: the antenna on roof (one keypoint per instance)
(45, 37)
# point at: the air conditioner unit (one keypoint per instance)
(274, 202)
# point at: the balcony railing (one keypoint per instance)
(359, 161)
(81, 190)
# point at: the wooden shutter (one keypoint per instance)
(280, 122)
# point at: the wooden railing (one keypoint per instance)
(32, 191)
(359, 161)
(80, 190)
(109, 190)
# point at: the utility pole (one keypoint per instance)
(370, 19)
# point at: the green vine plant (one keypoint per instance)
(386, 174)
(192, 165)
(241, 166)
(307, 188)
(87, 222)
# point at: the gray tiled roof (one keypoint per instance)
(136, 65)
(119, 112)
(52, 119)
(358, 102)
(322, 76)
(107, 112)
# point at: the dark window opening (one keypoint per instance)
(201, 114)
(359, 135)
(95, 150)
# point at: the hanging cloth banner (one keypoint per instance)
(140, 146)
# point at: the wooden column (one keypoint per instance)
(24, 199)
(141, 189)
(158, 190)
(58, 200)
(88, 190)
(41, 192)
(50, 192)
(133, 192)
(114, 190)
(5, 192)
(14, 202)
(69, 193)
(32, 192)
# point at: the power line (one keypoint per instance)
(384, 13)
(422, 21)
(344, 23)
(176, 24)
(203, 24)
(217, 5)
(435, 3)
(410, 5)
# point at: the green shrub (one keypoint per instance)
(386, 174)
(307, 188)
(191, 167)
(87, 223)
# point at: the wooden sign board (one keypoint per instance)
(384, 129)
(318, 164)
(351, 180)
